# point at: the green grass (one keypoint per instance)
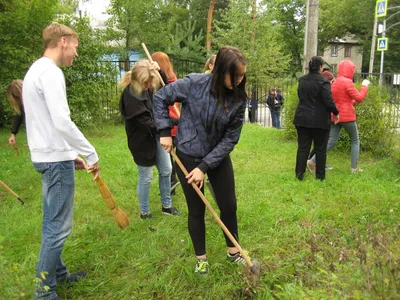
(333, 239)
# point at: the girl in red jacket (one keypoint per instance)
(166, 67)
(346, 95)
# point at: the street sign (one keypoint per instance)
(381, 8)
(383, 44)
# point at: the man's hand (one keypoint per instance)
(196, 177)
(336, 119)
(80, 164)
(166, 143)
(95, 169)
(11, 140)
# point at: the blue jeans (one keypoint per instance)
(352, 130)
(58, 185)
(275, 114)
(163, 163)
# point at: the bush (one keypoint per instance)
(90, 81)
(375, 121)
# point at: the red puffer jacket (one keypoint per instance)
(173, 112)
(344, 92)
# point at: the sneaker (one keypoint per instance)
(356, 170)
(236, 258)
(311, 166)
(72, 278)
(328, 167)
(172, 211)
(202, 267)
(146, 216)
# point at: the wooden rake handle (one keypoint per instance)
(210, 208)
(11, 192)
(159, 76)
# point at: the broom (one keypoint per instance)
(11, 192)
(120, 216)
(15, 146)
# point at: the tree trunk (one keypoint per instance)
(253, 25)
(209, 25)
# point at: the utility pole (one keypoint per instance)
(373, 45)
(311, 32)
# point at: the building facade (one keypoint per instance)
(341, 49)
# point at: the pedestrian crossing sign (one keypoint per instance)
(382, 44)
(381, 8)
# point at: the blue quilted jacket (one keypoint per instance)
(206, 131)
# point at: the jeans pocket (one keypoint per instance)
(41, 167)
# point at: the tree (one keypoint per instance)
(267, 58)
(21, 24)
(289, 16)
(209, 25)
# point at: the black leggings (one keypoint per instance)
(223, 183)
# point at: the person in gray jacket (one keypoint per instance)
(213, 107)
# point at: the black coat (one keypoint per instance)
(140, 128)
(315, 102)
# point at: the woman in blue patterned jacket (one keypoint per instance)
(213, 107)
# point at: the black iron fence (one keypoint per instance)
(257, 109)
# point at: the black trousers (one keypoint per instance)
(305, 136)
(223, 183)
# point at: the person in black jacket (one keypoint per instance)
(275, 102)
(14, 93)
(213, 107)
(143, 138)
(313, 117)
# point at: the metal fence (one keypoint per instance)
(258, 90)
(258, 93)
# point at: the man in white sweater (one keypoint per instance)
(55, 142)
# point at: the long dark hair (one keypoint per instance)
(226, 62)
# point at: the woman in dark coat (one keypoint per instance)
(313, 117)
(143, 138)
(213, 107)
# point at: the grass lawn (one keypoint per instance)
(339, 238)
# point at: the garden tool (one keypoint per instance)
(120, 216)
(15, 146)
(12, 192)
(253, 270)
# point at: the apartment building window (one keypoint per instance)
(334, 50)
(334, 68)
(347, 51)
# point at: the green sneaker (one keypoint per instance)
(202, 267)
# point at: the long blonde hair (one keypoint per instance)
(14, 94)
(144, 72)
(126, 80)
(210, 61)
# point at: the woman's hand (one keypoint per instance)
(166, 143)
(196, 177)
(11, 140)
(336, 119)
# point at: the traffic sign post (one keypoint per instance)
(382, 44)
(381, 8)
